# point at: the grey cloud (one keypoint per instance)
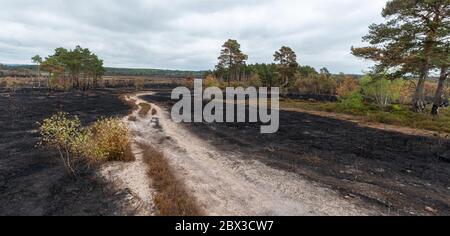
(187, 34)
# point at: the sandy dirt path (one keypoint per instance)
(227, 183)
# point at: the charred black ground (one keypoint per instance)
(398, 173)
(32, 180)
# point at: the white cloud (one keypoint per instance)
(187, 34)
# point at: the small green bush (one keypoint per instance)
(354, 101)
(65, 135)
(396, 107)
(382, 91)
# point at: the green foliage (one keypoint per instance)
(396, 107)
(404, 44)
(268, 73)
(287, 64)
(353, 101)
(63, 134)
(107, 140)
(307, 71)
(382, 91)
(397, 115)
(412, 42)
(79, 65)
(37, 59)
(254, 81)
(232, 60)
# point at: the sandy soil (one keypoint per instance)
(229, 183)
(133, 176)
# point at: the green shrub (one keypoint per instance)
(396, 107)
(107, 140)
(382, 91)
(354, 101)
(64, 135)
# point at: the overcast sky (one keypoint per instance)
(188, 34)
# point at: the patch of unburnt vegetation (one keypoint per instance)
(145, 108)
(172, 198)
(401, 115)
(106, 140)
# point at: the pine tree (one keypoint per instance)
(405, 44)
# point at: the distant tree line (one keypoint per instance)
(153, 72)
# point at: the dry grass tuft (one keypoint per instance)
(172, 198)
(145, 108)
(112, 140)
(130, 102)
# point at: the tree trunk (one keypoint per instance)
(440, 91)
(286, 81)
(419, 96)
